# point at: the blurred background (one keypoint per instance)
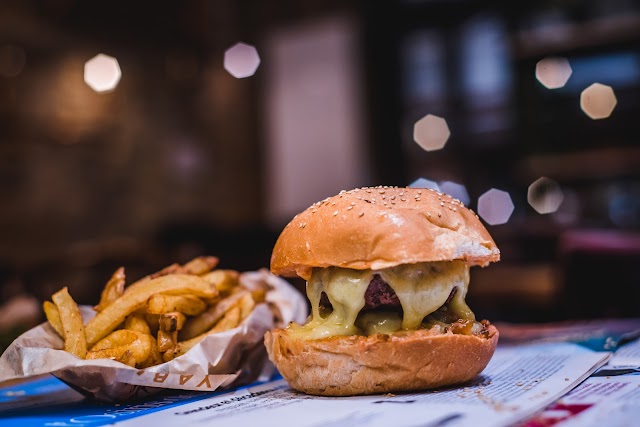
(142, 134)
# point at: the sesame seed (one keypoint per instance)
(439, 215)
(403, 199)
(361, 214)
(333, 203)
(455, 210)
(353, 203)
(335, 213)
(441, 203)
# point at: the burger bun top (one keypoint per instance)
(382, 227)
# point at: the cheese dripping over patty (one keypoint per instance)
(421, 289)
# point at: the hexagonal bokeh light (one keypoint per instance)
(102, 73)
(495, 206)
(431, 132)
(545, 195)
(455, 190)
(553, 72)
(598, 101)
(424, 183)
(241, 60)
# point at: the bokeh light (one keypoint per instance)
(102, 73)
(598, 101)
(431, 132)
(545, 195)
(553, 72)
(12, 60)
(495, 206)
(623, 207)
(241, 60)
(425, 183)
(455, 190)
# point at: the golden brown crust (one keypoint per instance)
(381, 227)
(353, 365)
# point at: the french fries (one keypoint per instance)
(128, 347)
(166, 340)
(155, 358)
(73, 329)
(198, 325)
(172, 322)
(230, 320)
(53, 316)
(196, 266)
(109, 318)
(112, 290)
(157, 318)
(137, 322)
(187, 304)
(223, 280)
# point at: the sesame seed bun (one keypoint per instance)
(379, 228)
(376, 228)
(404, 361)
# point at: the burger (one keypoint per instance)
(387, 273)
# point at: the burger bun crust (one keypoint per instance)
(382, 227)
(357, 365)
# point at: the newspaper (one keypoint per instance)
(599, 401)
(611, 397)
(518, 381)
(627, 355)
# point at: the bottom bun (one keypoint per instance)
(353, 365)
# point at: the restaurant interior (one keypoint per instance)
(140, 134)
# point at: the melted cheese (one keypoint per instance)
(345, 289)
(421, 288)
(379, 322)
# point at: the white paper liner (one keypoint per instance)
(233, 357)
